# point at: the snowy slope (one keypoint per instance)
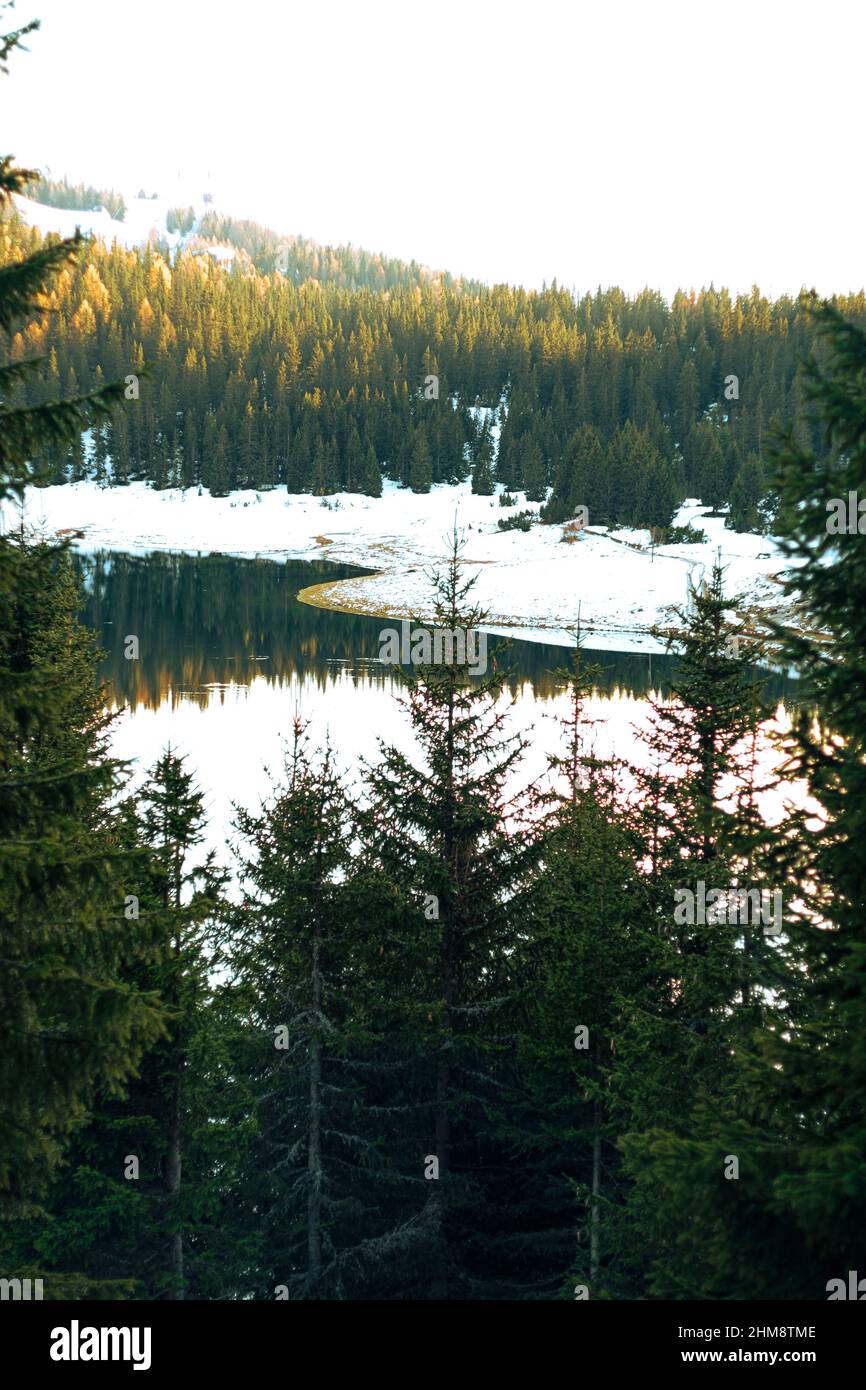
(145, 221)
(144, 218)
(530, 580)
(527, 580)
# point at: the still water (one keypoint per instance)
(228, 657)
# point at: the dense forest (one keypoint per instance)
(335, 369)
(301, 259)
(447, 1034)
(60, 193)
(446, 1039)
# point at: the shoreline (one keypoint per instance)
(531, 585)
(634, 640)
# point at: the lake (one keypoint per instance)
(228, 656)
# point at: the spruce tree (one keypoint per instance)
(586, 960)
(482, 466)
(800, 1113)
(533, 471)
(119, 1214)
(420, 468)
(698, 820)
(69, 1022)
(445, 831)
(186, 897)
(371, 483)
(747, 492)
(316, 1184)
(72, 1021)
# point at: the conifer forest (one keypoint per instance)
(502, 972)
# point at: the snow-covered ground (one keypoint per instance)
(145, 220)
(613, 582)
(144, 216)
(531, 581)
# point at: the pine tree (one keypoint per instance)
(215, 468)
(354, 462)
(371, 484)
(724, 976)
(802, 1117)
(437, 831)
(65, 876)
(324, 480)
(656, 495)
(69, 1023)
(186, 897)
(578, 476)
(118, 1213)
(586, 959)
(316, 1185)
(707, 464)
(190, 451)
(482, 467)
(420, 469)
(534, 471)
(688, 402)
(747, 493)
(121, 461)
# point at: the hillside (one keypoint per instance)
(256, 361)
(191, 221)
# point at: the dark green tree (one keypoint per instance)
(119, 1215)
(482, 462)
(420, 470)
(439, 831)
(69, 1021)
(316, 1185)
(747, 492)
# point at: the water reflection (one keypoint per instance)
(209, 622)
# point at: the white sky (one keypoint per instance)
(250, 725)
(624, 143)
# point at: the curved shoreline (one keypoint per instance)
(317, 596)
(314, 595)
(624, 595)
(651, 640)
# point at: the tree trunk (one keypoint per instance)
(436, 1198)
(172, 1187)
(596, 1192)
(314, 1141)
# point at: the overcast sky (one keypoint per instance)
(607, 143)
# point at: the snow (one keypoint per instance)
(530, 581)
(145, 220)
(613, 582)
(490, 415)
(224, 254)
